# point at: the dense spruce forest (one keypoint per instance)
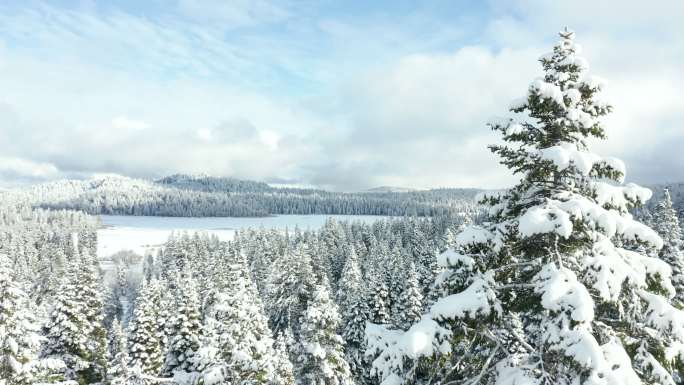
(270, 305)
(567, 278)
(204, 196)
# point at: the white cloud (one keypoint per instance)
(124, 123)
(214, 89)
(234, 13)
(18, 168)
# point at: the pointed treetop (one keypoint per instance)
(567, 34)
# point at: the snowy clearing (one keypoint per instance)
(147, 233)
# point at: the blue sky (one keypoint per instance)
(342, 95)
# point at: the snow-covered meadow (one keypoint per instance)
(142, 234)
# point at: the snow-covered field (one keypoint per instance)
(142, 234)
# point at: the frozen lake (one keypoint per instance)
(142, 234)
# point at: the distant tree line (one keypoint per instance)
(182, 195)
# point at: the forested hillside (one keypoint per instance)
(203, 196)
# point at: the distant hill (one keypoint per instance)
(384, 189)
(205, 196)
(213, 184)
(202, 196)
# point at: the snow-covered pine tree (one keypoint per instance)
(410, 304)
(149, 267)
(331, 249)
(91, 292)
(395, 271)
(320, 359)
(118, 296)
(290, 285)
(118, 372)
(666, 224)
(541, 293)
(19, 338)
(145, 334)
(355, 313)
(261, 256)
(377, 296)
(74, 331)
(350, 279)
(165, 310)
(185, 330)
(243, 338)
(425, 259)
(284, 370)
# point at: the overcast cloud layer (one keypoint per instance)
(336, 96)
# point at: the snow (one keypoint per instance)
(560, 290)
(620, 364)
(547, 91)
(662, 316)
(452, 258)
(518, 103)
(576, 61)
(478, 299)
(581, 346)
(514, 129)
(593, 81)
(473, 235)
(315, 349)
(616, 164)
(392, 379)
(213, 376)
(584, 119)
(566, 154)
(618, 196)
(509, 373)
(611, 268)
(573, 95)
(143, 234)
(418, 340)
(611, 222)
(539, 220)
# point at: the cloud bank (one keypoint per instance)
(342, 97)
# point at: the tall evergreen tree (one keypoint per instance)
(410, 307)
(395, 273)
(423, 256)
(145, 335)
(320, 359)
(378, 296)
(261, 256)
(666, 224)
(289, 288)
(243, 337)
(74, 331)
(91, 291)
(284, 370)
(350, 279)
(185, 330)
(19, 337)
(118, 372)
(355, 313)
(541, 293)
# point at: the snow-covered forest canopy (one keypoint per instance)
(205, 196)
(570, 277)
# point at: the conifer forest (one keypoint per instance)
(572, 275)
